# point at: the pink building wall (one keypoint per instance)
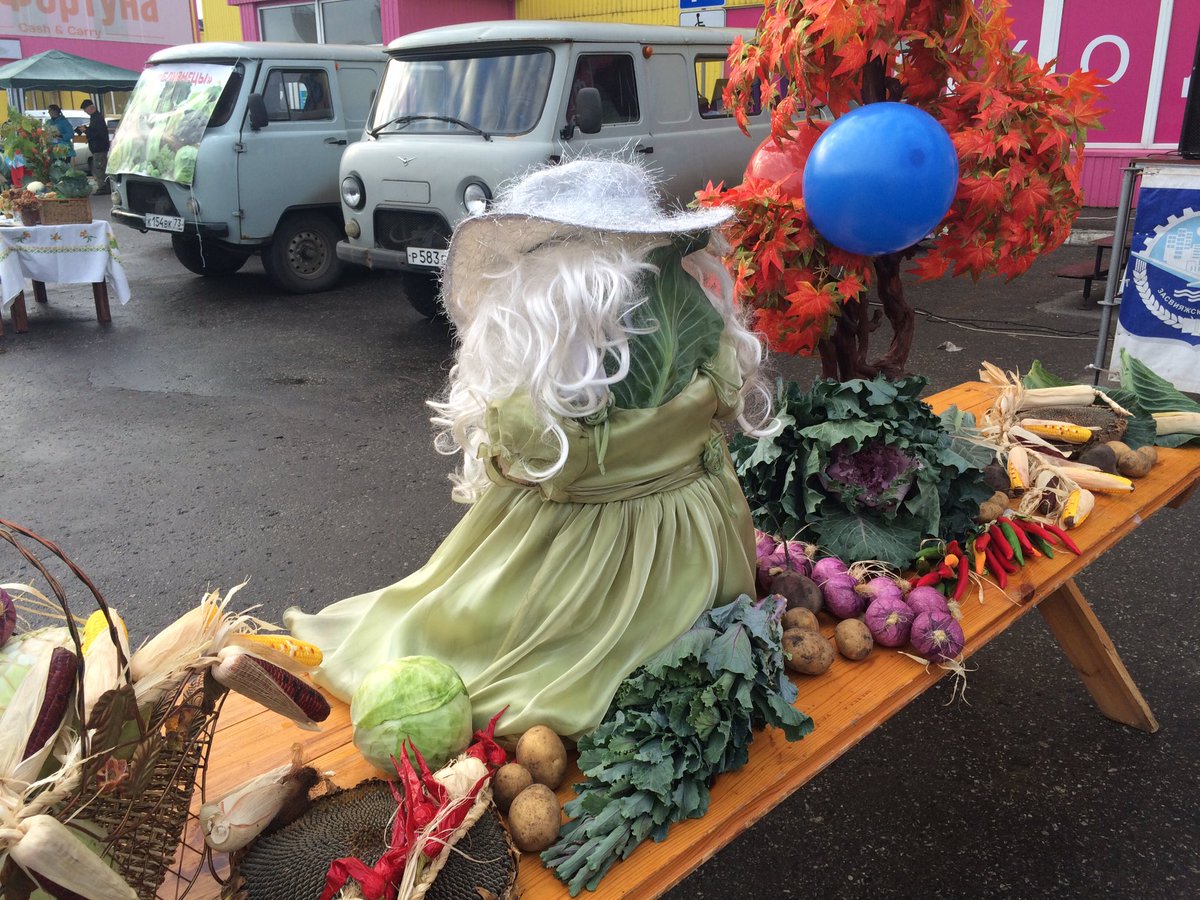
(399, 17)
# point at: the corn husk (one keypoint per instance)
(241, 815)
(102, 670)
(19, 718)
(47, 847)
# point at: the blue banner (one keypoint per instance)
(1159, 322)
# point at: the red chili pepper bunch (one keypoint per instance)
(419, 802)
(949, 573)
(1006, 544)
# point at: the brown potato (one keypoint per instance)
(541, 751)
(534, 818)
(1134, 464)
(510, 779)
(853, 639)
(806, 652)
(801, 618)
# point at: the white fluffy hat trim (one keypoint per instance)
(605, 195)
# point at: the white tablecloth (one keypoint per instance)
(60, 254)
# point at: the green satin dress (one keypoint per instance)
(544, 598)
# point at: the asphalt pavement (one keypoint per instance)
(219, 431)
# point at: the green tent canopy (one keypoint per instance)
(54, 70)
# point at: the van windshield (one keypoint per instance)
(166, 117)
(498, 93)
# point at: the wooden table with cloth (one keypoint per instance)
(59, 254)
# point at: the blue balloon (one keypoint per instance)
(880, 178)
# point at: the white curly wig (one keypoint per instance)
(548, 322)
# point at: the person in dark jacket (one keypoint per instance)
(98, 143)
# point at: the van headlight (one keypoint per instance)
(476, 197)
(353, 194)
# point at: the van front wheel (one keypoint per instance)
(207, 257)
(422, 291)
(302, 259)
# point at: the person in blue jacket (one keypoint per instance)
(62, 132)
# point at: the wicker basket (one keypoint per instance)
(145, 814)
(66, 211)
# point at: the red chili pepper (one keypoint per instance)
(1036, 529)
(1000, 542)
(1022, 537)
(963, 577)
(1010, 565)
(997, 570)
(1066, 541)
(982, 541)
(929, 580)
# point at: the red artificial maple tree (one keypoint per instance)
(1018, 128)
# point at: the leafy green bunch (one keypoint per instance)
(863, 468)
(683, 717)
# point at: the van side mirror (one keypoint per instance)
(256, 108)
(588, 114)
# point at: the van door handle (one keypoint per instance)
(643, 150)
(333, 140)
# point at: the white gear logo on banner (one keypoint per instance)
(1174, 248)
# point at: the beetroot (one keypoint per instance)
(926, 599)
(8, 617)
(937, 636)
(798, 590)
(890, 620)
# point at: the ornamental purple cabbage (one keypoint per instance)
(876, 478)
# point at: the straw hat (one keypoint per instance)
(593, 194)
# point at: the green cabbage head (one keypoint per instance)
(418, 698)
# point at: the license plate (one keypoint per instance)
(424, 256)
(164, 223)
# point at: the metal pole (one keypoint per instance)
(1116, 269)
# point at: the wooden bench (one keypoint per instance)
(847, 703)
(1087, 272)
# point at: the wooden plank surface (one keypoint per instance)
(846, 703)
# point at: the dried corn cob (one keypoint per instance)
(1058, 430)
(275, 688)
(1077, 508)
(96, 625)
(182, 643)
(1095, 480)
(1018, 469)
(245, 812)
(1177, 423)
(47, 848)
(103, 668)
(60, 685)
(280, 649)
(8, 617)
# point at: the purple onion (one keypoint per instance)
(824, 568)
(880, 587)
(890, 620)
(841, 598)
(8, 617)
(927, 599)
(937, 636)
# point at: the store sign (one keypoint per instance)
(1160, 302)
(136, 21)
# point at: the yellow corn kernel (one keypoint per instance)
(1058, 431)
(301, 652)
(96, 625)
(1018, 469)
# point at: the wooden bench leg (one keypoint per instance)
(39, 292)
(1088, 647)
(19, 317)
(100, 295)
(1182, 497)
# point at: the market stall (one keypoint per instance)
(846, 704)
